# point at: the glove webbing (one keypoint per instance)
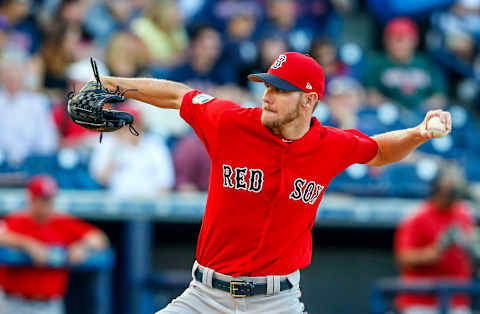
(131, 128)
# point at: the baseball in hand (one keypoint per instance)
(437, 127)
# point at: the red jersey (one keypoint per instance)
(35, 282)
(423, 230)
(264, 191)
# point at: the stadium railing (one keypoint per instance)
(100, 264)
(443, 289)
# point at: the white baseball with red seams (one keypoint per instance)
(437, 127)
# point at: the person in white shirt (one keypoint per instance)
(133, 166)
(27, 127)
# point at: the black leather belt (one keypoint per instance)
(240, 288)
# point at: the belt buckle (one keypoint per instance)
(234, 287)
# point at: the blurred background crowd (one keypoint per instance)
(386, 63)
(383, 72)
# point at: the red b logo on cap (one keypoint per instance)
(280, 60)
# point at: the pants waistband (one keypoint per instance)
(267, 285)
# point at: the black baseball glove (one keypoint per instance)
(86, 107)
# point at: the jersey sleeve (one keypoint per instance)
(405, 237)
(203, 113)
(12, 222)
(412, 233)
(76, 228)
(363, 147)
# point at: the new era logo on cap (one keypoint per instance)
(293, 71)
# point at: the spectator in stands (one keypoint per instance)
(23, 32)
(344, 97)
(28, 127)
(73, 13)
(39, 289)
(162, 30)
(129, 57)
(434, 243)
(66, 41)
(240, 48)
(460, 26)
(268, 49)
(204, 69)
(126, 55)
(327, 15)
(219, 13)
(282, 20)
(401, 75)
(192, 164)
(133, 166)
(20, 34)
(325, 53)
(58, 53)
(107, 17)
(13, 12)
(72, 134)
(453, 39)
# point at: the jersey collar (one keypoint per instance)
(316, 131)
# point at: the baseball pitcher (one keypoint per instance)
(271, 166)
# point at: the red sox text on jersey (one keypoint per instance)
(236, 178)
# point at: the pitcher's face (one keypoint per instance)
(279, 107)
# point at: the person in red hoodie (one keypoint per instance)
(436, 244)
(37, 230)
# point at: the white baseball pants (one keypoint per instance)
(18, 305)
(201, 298)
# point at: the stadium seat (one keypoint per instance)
(361, 180)
(67, 167)
(471, 164)
(465, 129)
(322, 113)
(461, 141)
(387, 9)
(369, 123)
(4, 166)
(38, 164)
(445, 147)
(411, 180)
(385, 118)
(73, 170)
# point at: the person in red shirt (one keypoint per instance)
(434, 244)
(270, 168)
(36, 230)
